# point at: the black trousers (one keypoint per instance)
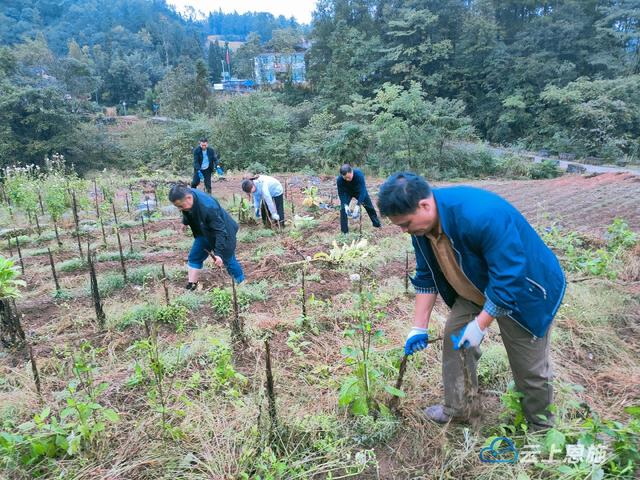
(195, 181)
(266, 214)
(368, 206)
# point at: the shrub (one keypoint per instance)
(172, 314)
(71, 265)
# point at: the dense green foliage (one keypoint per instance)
(405, 83)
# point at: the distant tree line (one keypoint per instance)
(390, 83)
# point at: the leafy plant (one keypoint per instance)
(173, 314)
(296, 342)
(9, 283)
(347, 253)
(579, 257)
(311, 198)
(359, 391)
(159, 372)
(75, 429)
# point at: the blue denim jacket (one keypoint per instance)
(499, 252)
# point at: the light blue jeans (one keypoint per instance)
(198, 255)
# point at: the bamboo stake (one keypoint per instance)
(37, 223)
(304, 296)
(77, 220)
(55, 229)
(40, 201)
(164, 285)
(144, 230)
(122, 262)
(113, 207)
(53, 270)
(34, 370)
(95, 198)
(20, 255)
(271, 395)
(97, 303)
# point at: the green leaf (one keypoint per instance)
(554, 438)
(67, 412)
(348, 391)
(359, 406)
(394, 391)
(633, 410)
(111, 415)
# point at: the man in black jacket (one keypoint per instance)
(205, 162)
(214, 231)
(350, 185)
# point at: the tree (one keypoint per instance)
(413, 54)
(184, 94)
(284, 40)
(34, 123)
(245, 56)
(256, 128)
(214, 61)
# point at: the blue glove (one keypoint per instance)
(200, 175)
(469, 336)
(418, 339)
(219, 170)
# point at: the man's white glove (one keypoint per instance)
(470, 335)
(356, 212)
(276, 217)
(347, 210)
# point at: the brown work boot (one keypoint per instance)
(436, 413)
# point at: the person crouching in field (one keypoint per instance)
(268, 198)
(487, 263)
(214, 231)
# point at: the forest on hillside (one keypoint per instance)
(388, 82)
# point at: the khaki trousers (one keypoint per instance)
(528, 358)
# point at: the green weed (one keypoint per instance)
(253, 235)
(71, 265)
(115, 256)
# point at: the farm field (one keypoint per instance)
(173, 384)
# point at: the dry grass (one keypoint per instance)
(224, 434)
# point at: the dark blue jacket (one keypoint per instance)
(211, 155)
(356, 188)
(499, 252)
(209, 219)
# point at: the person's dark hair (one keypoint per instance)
(178, 192)
(401, 193)
(345, 168)
(247, 185)
(203, 139)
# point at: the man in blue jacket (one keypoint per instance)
(214, 231)
(205, 162)
(351, 184)
(487, 263)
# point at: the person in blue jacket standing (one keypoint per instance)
(214, 233)
(205, 162)
(350, 185)
(487, 263)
